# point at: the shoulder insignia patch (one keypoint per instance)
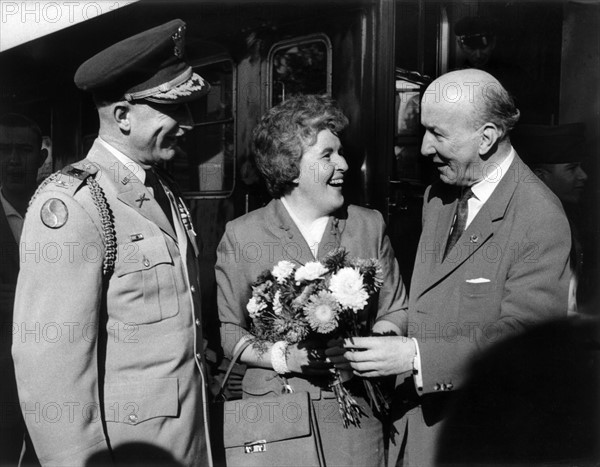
(54, 213)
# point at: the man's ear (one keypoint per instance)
(121, 113)
(490, 134)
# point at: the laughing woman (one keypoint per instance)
(300, 156)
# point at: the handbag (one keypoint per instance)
(265, 431)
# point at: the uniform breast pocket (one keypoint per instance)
(146, 276)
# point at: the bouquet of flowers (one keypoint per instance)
(291, 303)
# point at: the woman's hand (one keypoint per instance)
(308, 358)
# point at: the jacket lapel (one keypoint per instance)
(9, 249)
(332, 237)
(280, 223)
(130, 190)
(480, 230)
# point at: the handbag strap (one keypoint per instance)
(234, 360)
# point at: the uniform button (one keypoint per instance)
(198, 322)
(146, 262)
(133, 418)
(193, 288)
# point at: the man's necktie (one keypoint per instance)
(160, 196)
(460, 220)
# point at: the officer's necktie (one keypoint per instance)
(460, 220)
(160, 196)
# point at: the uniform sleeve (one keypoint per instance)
(232, 287)
(535, 290)
(393, 299)
(57, 313)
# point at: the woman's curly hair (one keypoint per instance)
(286, 131)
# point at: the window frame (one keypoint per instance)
(211, 60)
(296, 41)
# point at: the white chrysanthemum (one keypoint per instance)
(277, 308)
(310, 271)
(255, 306)
(348, 289)
(282, 270)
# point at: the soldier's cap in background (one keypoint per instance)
(150, 65)
(475, 32)
(550, 144)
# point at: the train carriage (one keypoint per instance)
(374, 56)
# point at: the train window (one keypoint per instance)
(207, 167)
(299, 66)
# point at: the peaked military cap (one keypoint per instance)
(149, 66)
(475, 31)
(550, 144)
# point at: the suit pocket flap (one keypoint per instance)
(271, 419)
(141, 255)
(136, 402)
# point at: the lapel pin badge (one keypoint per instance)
(474, 238)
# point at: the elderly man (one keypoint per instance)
(492, 259)
(109, 360)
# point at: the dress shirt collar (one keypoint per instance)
(132, 165)
(483, 189)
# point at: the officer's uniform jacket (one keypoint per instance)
(104, 362)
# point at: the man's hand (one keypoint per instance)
(308, 357)
(374, 356)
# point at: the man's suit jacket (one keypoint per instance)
(508, 271)
(9, 252)
(257, 241)
(105, 363)
(12, 427)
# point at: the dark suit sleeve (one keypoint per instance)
(57, 309)
(534, 290)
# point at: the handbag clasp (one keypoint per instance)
(255, 446)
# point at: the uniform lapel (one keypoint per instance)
(130, 190)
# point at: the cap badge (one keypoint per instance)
(179, 40)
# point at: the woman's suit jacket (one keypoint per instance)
(257, 241)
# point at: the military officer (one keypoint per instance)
(109, 358)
